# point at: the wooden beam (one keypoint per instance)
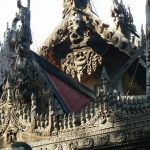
(124, 68)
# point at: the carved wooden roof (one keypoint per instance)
(82, 19)
(27, 112)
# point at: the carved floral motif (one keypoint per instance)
(88, 143)
(78, 61)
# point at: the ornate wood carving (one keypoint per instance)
(80, 60)
(123, 19)
(110, 119)
(79, 16)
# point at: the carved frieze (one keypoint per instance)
(97, 140)
(78, 61)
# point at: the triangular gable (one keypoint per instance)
(71, 95)
(73, 100)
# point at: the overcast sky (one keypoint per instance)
(46, 14)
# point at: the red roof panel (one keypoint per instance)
(73, 99)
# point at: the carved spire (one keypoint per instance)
(0, 44)
(82, 117)
(143, 36)
(60, 123)
(87, 114)
(130, 15)
(65, 121)
(105, 80)
(33, 107)
(7, 25)
(28, 4)
(73, 120)
(51, 110)
(123, 19)
(7, 36)
(9, 92)
(69, 120)
(51, 115)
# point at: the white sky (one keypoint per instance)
(46, 14)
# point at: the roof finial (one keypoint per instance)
(143, 36)
(7, 24)
(28, 5)
(105, 80)
(104, 74)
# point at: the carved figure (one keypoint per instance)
(123, 19)
(117, 14)
(76, 28)
(13, 38)
(24, 35)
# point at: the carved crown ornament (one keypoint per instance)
(78, 61)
